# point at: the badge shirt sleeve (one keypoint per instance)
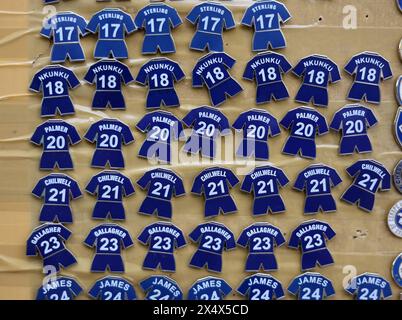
(195, 235)
(37, 136)
(351, 66)
(294, 240)
(336, 122)
(127, 241)
(322, 125)
(126, 75)
(73, 135)
(371, 119)
(386, 70)
(129, 23)
(174, 18)
(247, 184)
(229, 19)
(95, 291)
(282, 178)
(300, 182)
(127, 135)
(283, 13)
(91, 133)
(75, 190)
(179, 187)
(128, 187)
(193, 14)
(93, 24)
(36, 84)
(90, 239)
(248, 17)
(243, 239)
(293, 287)
(90, 75)
(144, 180)
(335, 178)
(144, 236)
(197, 186)
(39, 189)
(233, 180)
(47, 30)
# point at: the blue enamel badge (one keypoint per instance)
(398, 126)
(397, 270)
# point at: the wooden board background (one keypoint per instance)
(363, 242)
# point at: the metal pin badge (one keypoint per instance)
(211, 70)
(395, 219)
(397, 174)
(397, 270)
(112, 25)
(398, 126)
(211, 18)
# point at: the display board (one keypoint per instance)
(363, 242)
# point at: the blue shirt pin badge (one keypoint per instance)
(162, 185)
(160, 75)
(212, 238)
(317, 180)
(264, 182)
(112, 25)
(212, 70)
(399, 90)
(266, 16)
(55, 82)
(398, 126)
(57, 190)
(161, 288)
(112, 288)
(108, 75)
(109, 240)
(257, 125)
(162, 238)
(399, 3)
(312, 236)
(209, 288)
(370, 176)
(397, 270)
(353, 120)
(208, 124)
(215, 184)
(109, 135)
(261, 286)
(369, 286)
(304, 124)
(158, 20)
(162, 128)
(49, 241)
(261, 238)
(397, 174)
(210, 18)
(317, 72)
(110, 187)
(311, 286)
(50, 1)
(395, 219)
(368, 68)
(266, 68)
(55, 136)
(65, 28)
(59, 288)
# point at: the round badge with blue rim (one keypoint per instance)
(397, 270)
(398, 176)
(395, 219)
